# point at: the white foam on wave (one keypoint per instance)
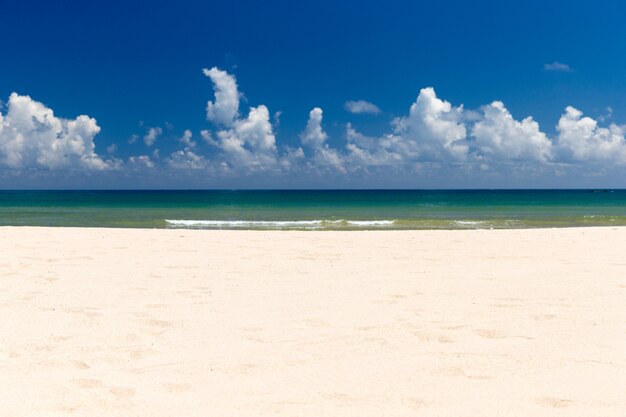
(467, 222)
(305, 224)
(370, 222)
(244, 223)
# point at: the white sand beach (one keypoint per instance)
(130, 322)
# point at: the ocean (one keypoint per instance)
(316, 209)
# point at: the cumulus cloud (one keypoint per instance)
(433, 130)
(314, 137)
(207, 137)
(141, 160)
(31, 136)
(313, 134)
(187, 159)
(292, 159)
(186, 140)
(581, 139)
(606, 116)
(557, 67)
(248, 143)
(364, 151)
(225, 109)
(152, 135)
(499, 136)
(433, 134)
(436, 131)
(277, 118)
(361, 106)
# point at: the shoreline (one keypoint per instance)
(161, 322)
(271, 230)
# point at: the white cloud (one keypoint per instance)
(557, 67)
(581, 139)
(141, 160)
(607, 115)
(433, 130)
(500, 137)
(364, 151)
(225, 109)
(292, 159)
(207, 137)
(277, 118)
(185, 139)
(187, 159)
(435, 134)
(314, 137)
(361, 106)
(152, 135)
(32, 136)
(327, 157)
(313, 134)
(250, 143)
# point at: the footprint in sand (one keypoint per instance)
(378, 341)
(457, 327)
(452, 371)
(397, 296)
(177, 387)
(553, 402)
(122, 393)
(414, 402)
(158, 323)
(65, 408)
(245, 368)
(490, 334)
(89, 383)
(80, 365)
(155, 327)
(541, 317)
(316, 323)
(137, 354)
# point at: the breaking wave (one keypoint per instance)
(278, 224)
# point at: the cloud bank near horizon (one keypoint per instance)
(434, 134)
(32, 137)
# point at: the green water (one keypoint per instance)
(334, 210)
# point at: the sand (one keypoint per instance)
(113, 322)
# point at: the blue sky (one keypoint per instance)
(133, 66)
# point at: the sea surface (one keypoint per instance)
(316, 210)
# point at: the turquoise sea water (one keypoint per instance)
(334, 210)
